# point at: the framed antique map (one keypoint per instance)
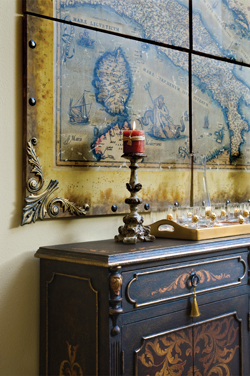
(178, 68)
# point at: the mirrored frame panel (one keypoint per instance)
(85, 96)
(93, 68)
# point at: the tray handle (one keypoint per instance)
(175, 232)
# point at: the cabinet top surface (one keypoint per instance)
(109, 253)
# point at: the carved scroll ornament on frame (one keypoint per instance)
(39, 204)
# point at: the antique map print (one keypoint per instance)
(104, 82)
(222, 28)
(227, 23)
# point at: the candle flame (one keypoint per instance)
(134, 125)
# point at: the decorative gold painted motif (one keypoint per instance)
(212, 345)
(163, 355)
(182, 280)
(71, 367)
(37, 205)
(217, 343)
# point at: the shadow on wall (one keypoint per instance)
(18, 147)
(19, 314)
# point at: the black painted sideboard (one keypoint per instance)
(113, 309)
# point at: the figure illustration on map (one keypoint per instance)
(160, 122)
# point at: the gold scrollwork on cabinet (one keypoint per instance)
(71, 367)
(202, 350)
(181, 281)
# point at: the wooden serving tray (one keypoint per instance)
(179, 232)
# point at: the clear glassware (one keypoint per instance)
(181, 215)
(171, 213)
(184, 215)
(223, 213)
(196, 216)
(234, 210)
(246, 211)
(205, 212)
(218, 214)
(188, 216)
(199, 187)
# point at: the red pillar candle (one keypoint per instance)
(133, 141)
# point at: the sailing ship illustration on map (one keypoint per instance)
(79, 112)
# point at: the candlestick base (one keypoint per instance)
(133, 231)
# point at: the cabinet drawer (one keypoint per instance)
(156, 285)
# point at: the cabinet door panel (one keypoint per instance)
(221, 338)
(216, 343)
(166, 354)
(158, 345)
(217, 347)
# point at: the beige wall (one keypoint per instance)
(19, 270)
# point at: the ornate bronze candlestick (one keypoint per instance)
(133, 231)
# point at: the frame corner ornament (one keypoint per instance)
(38, 204)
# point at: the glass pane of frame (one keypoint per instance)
(156, 20)
(105, 85)
(222, 28)
(221, 124)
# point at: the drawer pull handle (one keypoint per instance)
(195, 279)
(195, 312)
